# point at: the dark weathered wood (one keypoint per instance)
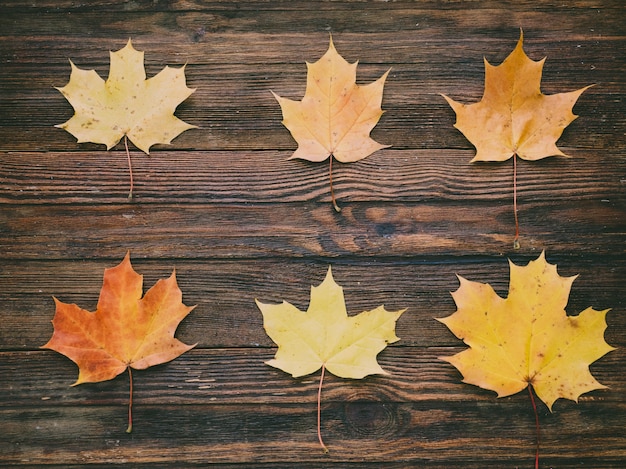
(286, 6)
(224, 292)
(389, 175)
(203, 400)
(313, 229)
(248, 117)
(361, 432)
(225, 207)
(582, 46)
(215, 375)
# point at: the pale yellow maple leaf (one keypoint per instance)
(527, 339)
(514, 117)
(126, 104)
(325, 335)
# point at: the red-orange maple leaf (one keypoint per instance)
(126, 331)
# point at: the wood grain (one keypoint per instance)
(224, 292)
(202, 404)
(225, 207)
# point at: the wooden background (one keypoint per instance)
(238, 221)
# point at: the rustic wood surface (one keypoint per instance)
(238, 221)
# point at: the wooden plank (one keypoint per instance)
(235, 110)
(305, 230)
(361, 433)
(252, 177)
(224, 292)
(287, 5)
(587, 54)
(234, 376)
(204, 393)
(200, 26)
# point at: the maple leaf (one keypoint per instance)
(335, 116)
(126, 331)
(527, 340)
(514, 118)
(126, 105)
(326, 337)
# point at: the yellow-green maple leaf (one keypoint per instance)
(127, 103)
(527, 338)
(326, 336)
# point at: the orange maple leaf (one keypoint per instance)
(335, 116)
(126, 331)
(514, 118)
(527, 340)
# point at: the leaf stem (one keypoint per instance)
(130, 402)
(532, 400)
(516, 244)
(130, 169)
(332, 193)
(319, 411)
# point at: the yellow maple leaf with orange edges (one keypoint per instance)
(326, 337)
(527, 339)
(126, 105)
(126, 331)
(514, 118)
(335, 117)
